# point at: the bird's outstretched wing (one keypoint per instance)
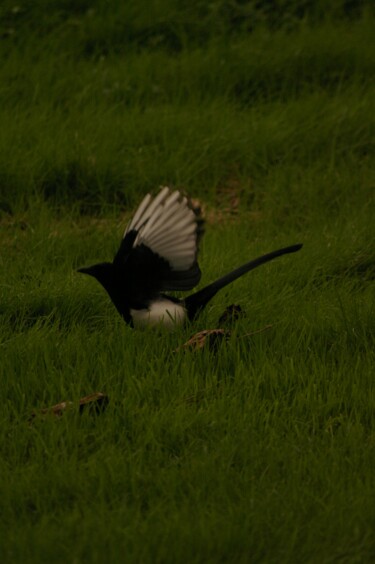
(160, 244)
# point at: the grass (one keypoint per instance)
(263, 451)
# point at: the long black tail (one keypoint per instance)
(196, 302)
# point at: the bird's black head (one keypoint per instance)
(106, 274)
(103, 272)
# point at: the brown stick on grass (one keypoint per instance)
(97, 401)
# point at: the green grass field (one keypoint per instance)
(264, 449)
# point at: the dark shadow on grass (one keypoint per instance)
(76, 182)
(359, 270)
(60, 312)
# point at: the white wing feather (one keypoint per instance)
(168, 226)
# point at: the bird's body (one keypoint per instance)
(158, 253)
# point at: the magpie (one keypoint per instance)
(158, 253)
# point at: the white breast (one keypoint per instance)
(161, 311)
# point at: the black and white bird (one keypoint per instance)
(158, 253)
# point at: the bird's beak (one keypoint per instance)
(85, 270)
